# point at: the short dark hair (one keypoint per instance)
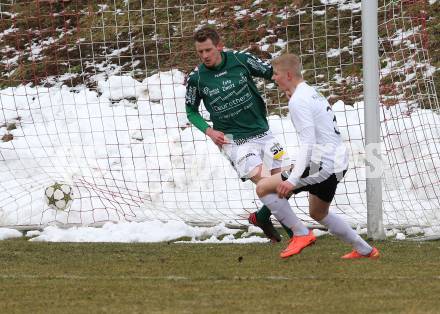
(205, 33)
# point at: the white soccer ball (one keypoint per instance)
(58, 196)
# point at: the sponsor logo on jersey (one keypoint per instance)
(227, 85)
(210, 92)
(277, 150)
(238, 98)
(243, 78)
(257, 65)
(221, 74)
(190, 98)
(245, 157)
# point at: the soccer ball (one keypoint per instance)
(58, 196)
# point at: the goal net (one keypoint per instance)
(92, 95)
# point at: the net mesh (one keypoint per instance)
(92, 94)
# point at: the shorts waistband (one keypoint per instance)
(247, 139)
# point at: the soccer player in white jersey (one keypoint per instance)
(321, 163)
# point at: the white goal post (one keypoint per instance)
(92, 95)
(370, 51)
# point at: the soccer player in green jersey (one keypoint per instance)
(224, 81)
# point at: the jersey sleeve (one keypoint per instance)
(307, 140)
(302, 118)
(192, 96)
(192, 102)
(255, 66)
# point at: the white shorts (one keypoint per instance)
(246, 154)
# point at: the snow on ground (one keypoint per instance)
(129, 155)
(146, 232)
(6, 233)
(149, 231)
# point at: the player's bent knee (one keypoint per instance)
(261, 190)
(255, 174)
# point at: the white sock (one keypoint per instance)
(343, 231)
(282, 211)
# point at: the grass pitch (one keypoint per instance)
(213, 278)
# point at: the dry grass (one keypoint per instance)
(185, 278)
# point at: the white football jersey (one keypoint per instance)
(321, 145)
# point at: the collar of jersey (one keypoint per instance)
(218, 67)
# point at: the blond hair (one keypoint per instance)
(288, 62)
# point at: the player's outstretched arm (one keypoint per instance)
(197, 120)
(275, 184)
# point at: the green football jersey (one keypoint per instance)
(230, 95)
